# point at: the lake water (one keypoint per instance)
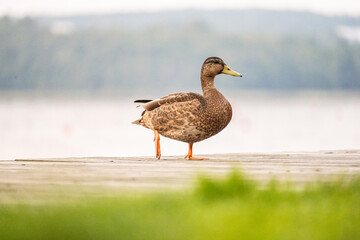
(38, 127)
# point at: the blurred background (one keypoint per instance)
(70, 70)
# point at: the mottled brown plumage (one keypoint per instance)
(190, 117)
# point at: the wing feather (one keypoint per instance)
(172, 98)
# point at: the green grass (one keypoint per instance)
(234, 208)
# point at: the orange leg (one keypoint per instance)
(189, 155)
(157, 144)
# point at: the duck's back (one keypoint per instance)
(188, 117)
(174, 115)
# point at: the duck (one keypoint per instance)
(186, 116)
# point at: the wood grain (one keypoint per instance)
(57, 178)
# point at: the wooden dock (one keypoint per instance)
(29, 179)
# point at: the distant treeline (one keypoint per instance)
(32, 57)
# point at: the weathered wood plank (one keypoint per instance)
(91, 176)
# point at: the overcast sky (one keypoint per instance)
(70, 7)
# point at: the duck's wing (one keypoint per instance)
(172, 99)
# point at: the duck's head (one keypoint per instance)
(214, 66)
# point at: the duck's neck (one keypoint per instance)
(207, 84)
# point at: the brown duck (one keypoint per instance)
(190, 117)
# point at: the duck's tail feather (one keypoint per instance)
(137, 121)
(142, 101)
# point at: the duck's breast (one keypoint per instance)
(216, 117)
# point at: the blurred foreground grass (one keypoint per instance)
(234, 208)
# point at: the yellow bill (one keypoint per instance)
(227, 70)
